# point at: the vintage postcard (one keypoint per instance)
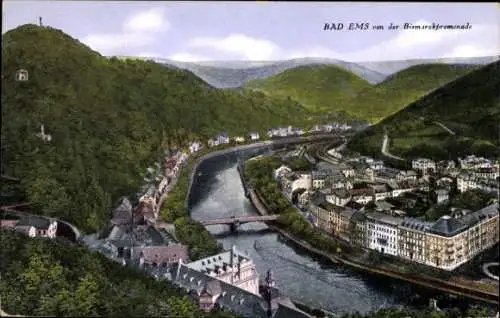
(261, 159)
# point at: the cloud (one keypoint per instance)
(469, 50)
(137, 31)
(152, 20)
(410, 44)
(480, 40)
(188, 57)
(246, 47)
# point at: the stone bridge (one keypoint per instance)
(236, 221)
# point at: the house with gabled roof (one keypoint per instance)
(254, 135)
(44, 226)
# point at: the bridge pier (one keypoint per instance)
(234, 226)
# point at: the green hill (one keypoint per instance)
(332, 88)
(468, 106)
(55, 278)
(109, 120)
(319, 87)
(403, 88)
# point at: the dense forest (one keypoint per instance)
(109, 119)
(43, 277)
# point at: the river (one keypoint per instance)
(217, 192)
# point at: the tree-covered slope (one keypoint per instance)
(403, 88)
(468, 107)
(55, 278)
(319, 87)
(109, 120)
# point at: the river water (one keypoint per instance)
(217, 192)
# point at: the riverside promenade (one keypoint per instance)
(464, 288)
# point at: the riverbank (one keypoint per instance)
(175, 207)
(456, 286)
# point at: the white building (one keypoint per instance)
(423, 164)
(239, 139)
(45, 137)
(376, 164)
(473, 162)
(44, 227)
(194, 147)
(383, 232)
(233, 267)
(281, 171)
(442, 195)
(338, 197)
(254, 136)
(294, 181)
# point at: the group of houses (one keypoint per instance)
(224, 138)
(363, 202)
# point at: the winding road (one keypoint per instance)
(487, 271)
(385, 151)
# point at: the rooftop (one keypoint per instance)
(209, 263)
(38, 222)
(384, 218)
(447, 226)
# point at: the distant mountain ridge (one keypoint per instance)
(233, 74)
(390, 67)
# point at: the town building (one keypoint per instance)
(338, 197)
(232, 267)
(442, 195)
(254, 136)
(383, 232)
(340, 221)
(412, 240)
(221, 139)
(293, 181)
(195, 147)
(381, 191)
(423, 164)
(446, 242)
(44, 226)
(318, 179)
(322, 214)
(358, 232)
(239, 139)
(163, 255)
(362, 195)
(472, 162)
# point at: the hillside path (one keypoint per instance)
(444, 127)
(385, 151)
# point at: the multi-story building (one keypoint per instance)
(447, 243)
(358, 229)
(381, 191)
(363, 195)
(383, 232)
(483, 229)
(406, 175)
(338, 197)
(321, 210)
(232, 267)
(340, 221)
(486, 173)
(423, 164)
(293, 181)
(318, 179)
(412, 240)
(473, 162)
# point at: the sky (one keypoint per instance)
(265, 30)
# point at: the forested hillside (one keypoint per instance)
(469, 109)
(319, 87)
(403, 88)
(56, 278)
(108, 119)
(330, 88)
